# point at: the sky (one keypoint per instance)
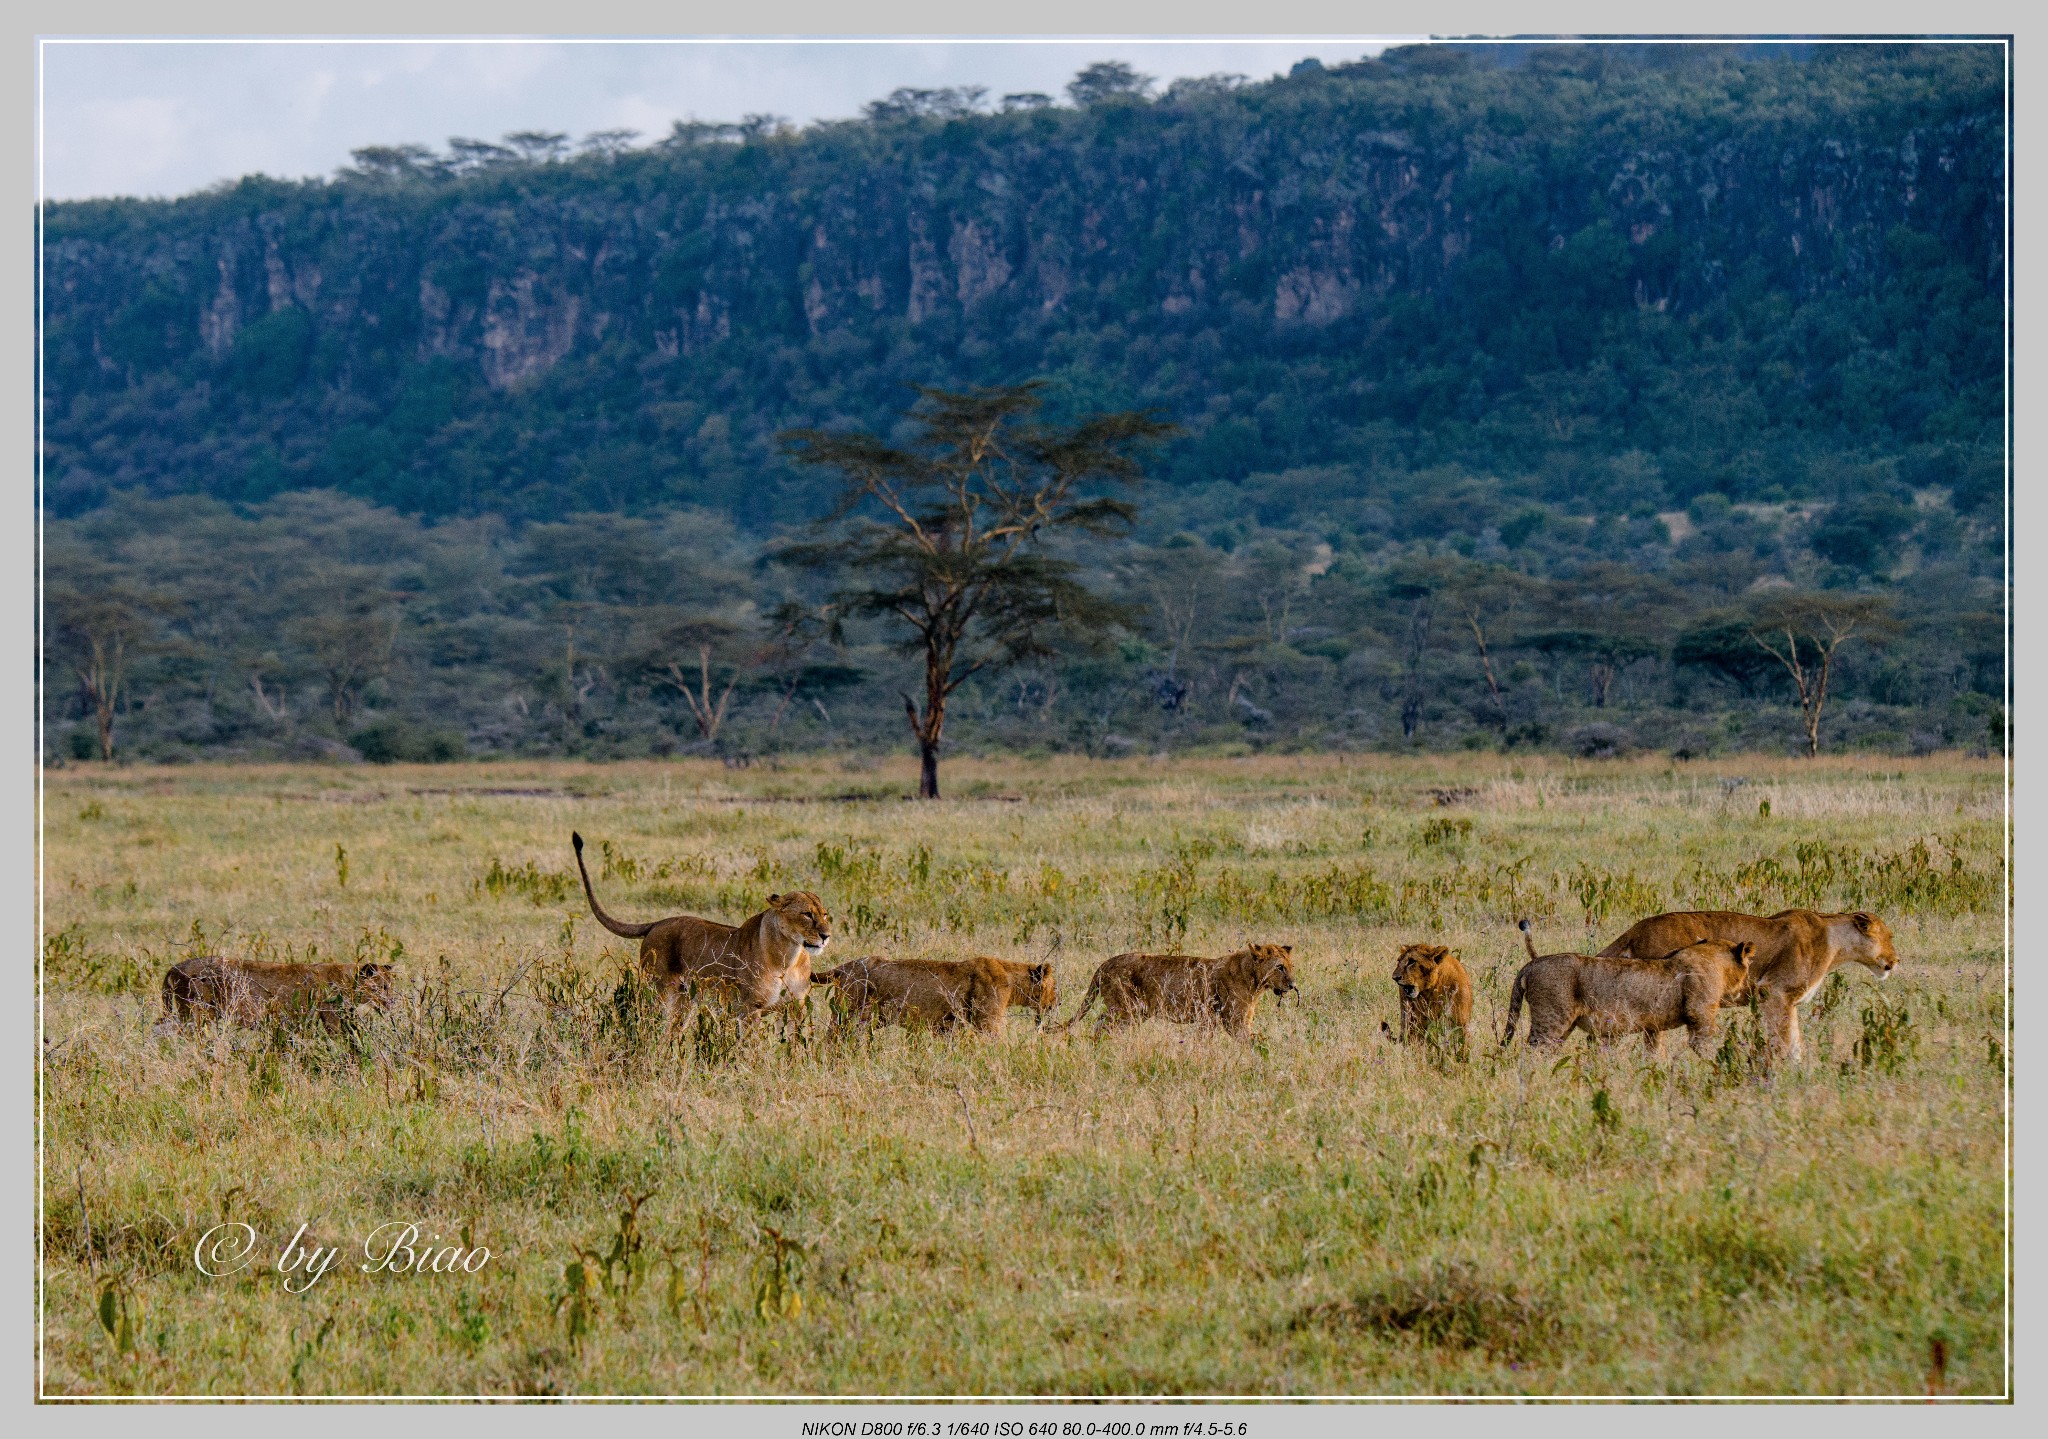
(164, 119)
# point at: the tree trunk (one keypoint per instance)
(101, 677)
(926, 730)
(1603, 680)
(1814, 705)
(1486, 662)
(1418, 640)
(1812, 684)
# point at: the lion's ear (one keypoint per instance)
(1040, 971)
(1743, 950)
(1288, 948)
(1861, 920)
(368, 971)
(775, 899)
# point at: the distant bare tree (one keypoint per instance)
(99, 629)
(345, 628)
(706, 664)
(1803, 633)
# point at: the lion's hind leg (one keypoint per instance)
(1547, 1031)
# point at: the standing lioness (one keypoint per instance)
(251, 992)
(761, 962)
(1794, 950)
(941, 993)
(1188, 989)
(1609, 997)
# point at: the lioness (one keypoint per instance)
(941, 992)
(1794, 951)
(1436, 994)
(1608, 997)
(1188, 989)
(762, 962)
(251, 992)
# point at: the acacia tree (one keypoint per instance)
(947, 538)
(717, 655)
(1607, 653)
(1803, 632)
(346, 630)
(1415, 584)
(1486, 597)
(1187, 587)
(99, 628)
(788, 659)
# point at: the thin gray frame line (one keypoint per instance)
(1557, 39)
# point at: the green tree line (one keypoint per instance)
(317, 625)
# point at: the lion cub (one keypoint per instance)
(941, 992)
(1436, 996)
(1609, 997)
(251, 992)
(1187, 988)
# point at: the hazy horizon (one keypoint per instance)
(161, 119)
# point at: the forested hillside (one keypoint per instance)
(1632, 336)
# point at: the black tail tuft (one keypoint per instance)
(577, 840)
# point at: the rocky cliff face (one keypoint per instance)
(1312, 222)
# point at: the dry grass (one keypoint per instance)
(1160, 1213)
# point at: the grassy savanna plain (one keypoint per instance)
(1320, 1212)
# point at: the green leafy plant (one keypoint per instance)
(778, 1294)
(119, 1312)
(1889, 1040)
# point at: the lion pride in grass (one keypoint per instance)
(1188, 989)
(760, 963)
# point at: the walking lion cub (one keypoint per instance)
(1188, 989)
(1609, 997)
(1436, 996)
(251, 992)
(941, 993)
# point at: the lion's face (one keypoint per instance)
(1274, 966)
(373, 984)
(804, 916)
(1416, 968)
(1739, 955)
(1036, 990)
(1870, 943)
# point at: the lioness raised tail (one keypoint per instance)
(761, 962)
